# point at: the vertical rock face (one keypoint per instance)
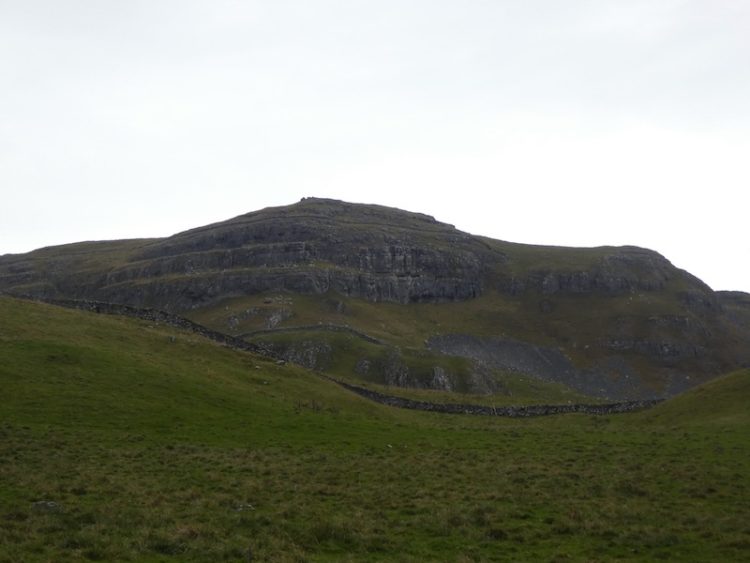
(440, 380)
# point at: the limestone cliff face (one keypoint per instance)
(609, 271)
(315, 246)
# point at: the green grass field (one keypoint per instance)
(121, 440)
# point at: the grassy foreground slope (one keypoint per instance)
(723, 403)
(121, 440)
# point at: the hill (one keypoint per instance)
(720, 402)
(436, 308)
(129, 440)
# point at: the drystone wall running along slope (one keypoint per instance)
(327, 327)
(506, 411)
(163, 317)
(390, 400)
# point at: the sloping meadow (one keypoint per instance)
(124, 440)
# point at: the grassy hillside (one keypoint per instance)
(631, 323)
(40, 271)
(125, 441)
(578, 325)
(722, 402)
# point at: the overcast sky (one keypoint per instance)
(573, 122)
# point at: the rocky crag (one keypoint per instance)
(316, 246)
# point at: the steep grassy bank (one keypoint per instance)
(121, 440)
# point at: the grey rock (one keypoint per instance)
(46, 506)
(277, 317)
(362, 367)
(395, 372)
(612, 377)
(440, 380)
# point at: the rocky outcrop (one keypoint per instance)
(736, 304)
(381, 275)
(440, 379)
(316, 246)
(505, 354)
(616, 271)
(383, 364)
(611, 377)
(375, 253)
(400, 402)
(664, 351)
(311, 354)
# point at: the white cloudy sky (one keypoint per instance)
(577, 122)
